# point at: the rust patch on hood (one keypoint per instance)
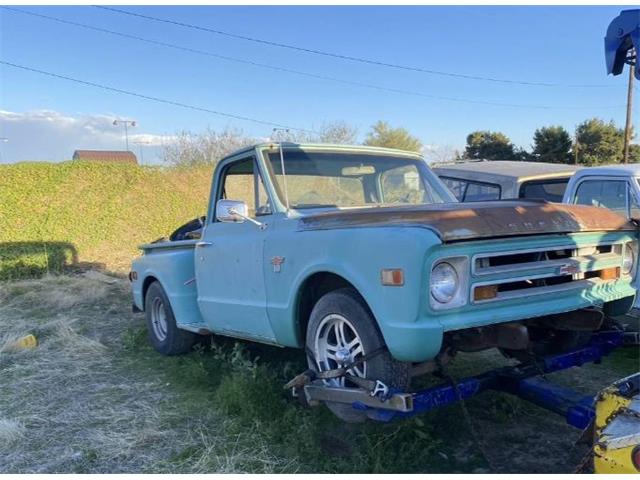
(465, 221)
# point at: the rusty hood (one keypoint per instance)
(466, 221)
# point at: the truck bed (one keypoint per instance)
(173, 262)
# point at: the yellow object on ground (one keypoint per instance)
(23, 343)
(617, 428)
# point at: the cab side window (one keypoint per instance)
(242, 181)
(611, 194)
(634, 206)
(456, 185)
(470, 191)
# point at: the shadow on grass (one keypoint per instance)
(32, 259)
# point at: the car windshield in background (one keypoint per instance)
(335, 179)
(551, 191)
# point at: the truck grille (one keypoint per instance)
(501, 276)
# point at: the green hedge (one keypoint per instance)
(54, 215)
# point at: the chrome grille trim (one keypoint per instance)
(578, 265)
(516, 267)
(563, 287)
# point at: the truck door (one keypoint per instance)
(229, 258)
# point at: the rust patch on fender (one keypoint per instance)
(465, 221)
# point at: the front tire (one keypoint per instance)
(164, 335)
(342, 329)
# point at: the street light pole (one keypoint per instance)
(126, 124)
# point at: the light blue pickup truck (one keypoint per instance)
(348, 251)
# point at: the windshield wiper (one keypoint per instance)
(302, 206)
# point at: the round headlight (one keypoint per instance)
(628, 259)
(444, 282)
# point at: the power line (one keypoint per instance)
(299, 72)
(346, 57)
(152, 98)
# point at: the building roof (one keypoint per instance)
(506, 169)
(114, 156)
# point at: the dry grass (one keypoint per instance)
(93, 397)
(74, 404)
(10, 431)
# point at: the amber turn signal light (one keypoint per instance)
(392, 277)
(485, 292)
(610, 273)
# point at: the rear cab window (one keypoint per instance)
(549, 190)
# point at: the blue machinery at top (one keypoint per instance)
(623, 35)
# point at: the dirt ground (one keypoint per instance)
(93, 397)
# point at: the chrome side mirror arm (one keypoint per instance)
(260, 225)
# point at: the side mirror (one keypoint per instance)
(231, 211)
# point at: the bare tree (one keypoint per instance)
(334, 132)
(436, 154)
(207, 148)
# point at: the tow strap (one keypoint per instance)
(376, 388)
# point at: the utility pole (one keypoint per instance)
(126, 124)
(3, 140)
(140, 143)
(631, 61)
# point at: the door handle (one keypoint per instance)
(203, 244)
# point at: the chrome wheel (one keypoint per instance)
(337, 344)
(159, 319)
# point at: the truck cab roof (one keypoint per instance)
(628, 170)
(501, 179)
(505, 170)
(324, 147)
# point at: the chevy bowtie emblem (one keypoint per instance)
(277, 263)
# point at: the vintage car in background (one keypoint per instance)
(481, 180)
(363, 258)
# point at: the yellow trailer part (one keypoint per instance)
(617, 428)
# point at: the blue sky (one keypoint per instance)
(46, 118)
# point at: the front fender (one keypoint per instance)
(358, 256)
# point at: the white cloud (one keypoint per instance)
(151, 139)
(53, 136)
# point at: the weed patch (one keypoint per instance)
(54, 216)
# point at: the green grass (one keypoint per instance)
(53, 215)
(235, 380)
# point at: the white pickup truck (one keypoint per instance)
(616, 187)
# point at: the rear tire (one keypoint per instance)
(342, 329)
(164, 335)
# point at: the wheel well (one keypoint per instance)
(145, 286)
(311, 291)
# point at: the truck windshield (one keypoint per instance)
(335, 179)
